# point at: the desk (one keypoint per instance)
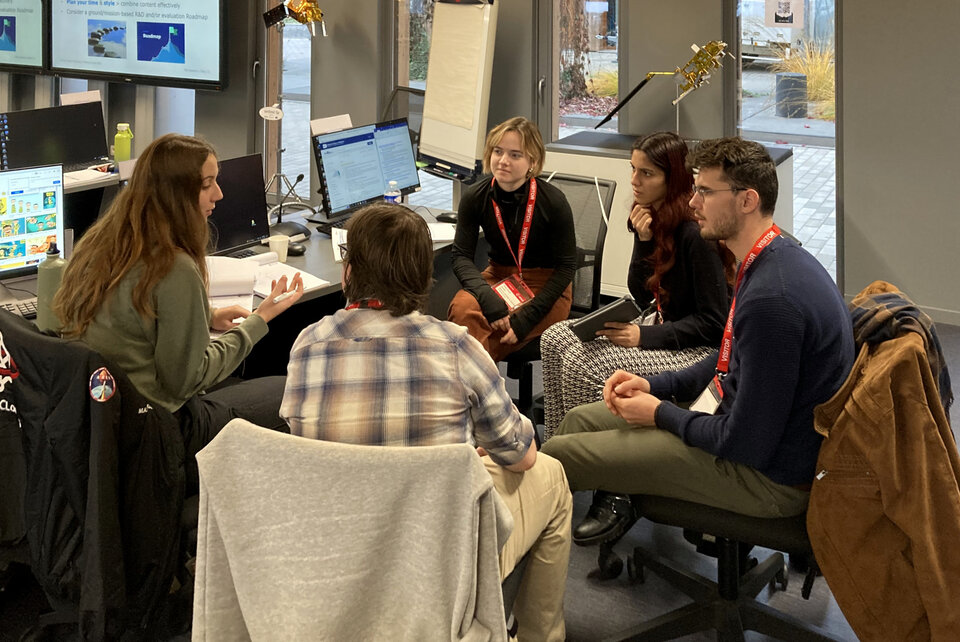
(271, 354)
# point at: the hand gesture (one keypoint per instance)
(622, 384)
(222, 319)
(622, 334)
(641, 218)
(270, 309)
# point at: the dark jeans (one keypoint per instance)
(204, 415)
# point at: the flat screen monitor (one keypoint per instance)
(239, 219)
(71, 135)
(21, 35)
(31, 217)
(356, 165)
(176, 43)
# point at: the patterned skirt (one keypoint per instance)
(574, 371)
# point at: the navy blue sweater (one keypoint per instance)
(792, 349)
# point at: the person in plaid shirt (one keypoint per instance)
(380, 372)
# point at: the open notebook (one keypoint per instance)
(236, 281)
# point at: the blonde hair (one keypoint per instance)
(154, 217)
(530, 141)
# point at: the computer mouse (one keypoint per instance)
(447, 217)
(296, 249)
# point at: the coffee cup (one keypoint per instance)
(279, 243)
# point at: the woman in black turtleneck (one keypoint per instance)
(514, 155)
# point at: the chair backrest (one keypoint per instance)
(406, 102)
(590, 201)
(104, 479)
(307, 539)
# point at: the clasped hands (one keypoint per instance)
(503, 324)
(628, 396)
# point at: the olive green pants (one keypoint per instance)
(601, 451)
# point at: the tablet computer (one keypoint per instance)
(623, 310)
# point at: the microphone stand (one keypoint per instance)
(296, 231)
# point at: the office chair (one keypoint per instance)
(308, 539)
(104, 484)
(590, 200)
(727, 605)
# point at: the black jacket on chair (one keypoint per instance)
(105, 480)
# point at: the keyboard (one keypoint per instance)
(76, 167)
(27, 308)
(325, 226)
(243, 254)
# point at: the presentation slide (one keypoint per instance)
(21, 41)
(179, 39)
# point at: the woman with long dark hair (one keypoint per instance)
(680, 276)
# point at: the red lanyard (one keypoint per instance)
(726, 346)
(527, 220)
(373, 304)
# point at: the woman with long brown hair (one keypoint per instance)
(679, 275)
(135, 291)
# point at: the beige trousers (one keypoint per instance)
(541, 504)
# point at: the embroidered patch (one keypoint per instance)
(8, 369)
(102, 385)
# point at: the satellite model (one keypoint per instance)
(692, 75)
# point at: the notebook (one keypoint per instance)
(239, 221)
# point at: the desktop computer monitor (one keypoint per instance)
(72, 135)
(356, 165)
(240, 218)
(31, 218)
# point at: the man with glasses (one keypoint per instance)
(746, 442)
(382, 373)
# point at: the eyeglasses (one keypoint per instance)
(343, 250)
(704, 192)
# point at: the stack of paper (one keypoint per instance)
(237, 280)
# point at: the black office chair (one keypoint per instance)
(590, 200)
(727, 605)
(104, 490)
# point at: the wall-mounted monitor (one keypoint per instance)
(173, 42)
(21, 35)
(356, 165)
(31, 218)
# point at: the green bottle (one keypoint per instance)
(49, 275)
(121, 142)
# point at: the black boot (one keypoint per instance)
(609, 517)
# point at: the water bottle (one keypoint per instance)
(121, 142)
(49, 274)
(392, 195)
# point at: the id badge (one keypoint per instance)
(514, 292)
(709, 400)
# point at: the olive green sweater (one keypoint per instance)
(171, 357)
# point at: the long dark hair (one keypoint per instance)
(667, 151)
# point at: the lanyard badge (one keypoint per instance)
(710, 398)
(513, 290)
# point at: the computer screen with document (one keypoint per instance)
(239, 219)
(71, 135)
(356, 165)
(31, 217)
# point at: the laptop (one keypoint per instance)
(356, 165)
(70, 135)
(239, 222)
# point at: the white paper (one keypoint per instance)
(330, 124)
(80, 97)
(273, 272)
(442, 232)
(227, 276)
(338, 236)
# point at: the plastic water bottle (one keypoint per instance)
(121, 142)
(49, 274)
(392, 195)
